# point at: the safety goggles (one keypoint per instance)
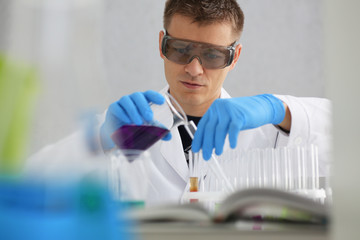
(210, 56)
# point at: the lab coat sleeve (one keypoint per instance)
(68, 159)
(310, 124)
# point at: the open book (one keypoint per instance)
(249, 204)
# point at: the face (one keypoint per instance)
(192, 85)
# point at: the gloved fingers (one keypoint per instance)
(142, 107)
(131, 109)
(167, 137)
(115, 111)
(105, 138)
(199, 135)
(209, 135)
(220, 134)
(115, 118)
(154, 97)
(234, 130)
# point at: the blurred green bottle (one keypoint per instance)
(18, 88)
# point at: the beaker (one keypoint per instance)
(132, 139)
(128, 180)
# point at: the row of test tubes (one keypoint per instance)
(294, 169)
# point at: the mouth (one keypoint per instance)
(192, 85)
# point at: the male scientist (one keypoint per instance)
(199, 46)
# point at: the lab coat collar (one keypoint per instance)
(173, 153)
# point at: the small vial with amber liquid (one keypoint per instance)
(194, 187)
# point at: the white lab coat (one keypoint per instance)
(168, 171)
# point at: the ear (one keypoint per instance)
(238, 49)
(161, 35)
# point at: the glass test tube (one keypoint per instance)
(194, 187)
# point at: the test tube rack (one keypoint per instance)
(293, 169)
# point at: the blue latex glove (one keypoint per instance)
(130, 109)
(230, 116)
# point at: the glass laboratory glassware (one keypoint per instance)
(133, 139)
(128, 180)
(127, 174)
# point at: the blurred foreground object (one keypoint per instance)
(49, 207)
(18, 86)
(34, 210)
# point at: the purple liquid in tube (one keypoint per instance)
(137, 137)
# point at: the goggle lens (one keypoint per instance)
(210, 56)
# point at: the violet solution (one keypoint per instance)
(137, 137)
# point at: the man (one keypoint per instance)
(199, 46)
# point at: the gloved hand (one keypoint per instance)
(230, 116)
(130, 109)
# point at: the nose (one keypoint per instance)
(194, 67)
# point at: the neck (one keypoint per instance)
(195, 107)
(198, 110)
(195, 110)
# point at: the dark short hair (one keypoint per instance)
(206, 12)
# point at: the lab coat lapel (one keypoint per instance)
(173, 153)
